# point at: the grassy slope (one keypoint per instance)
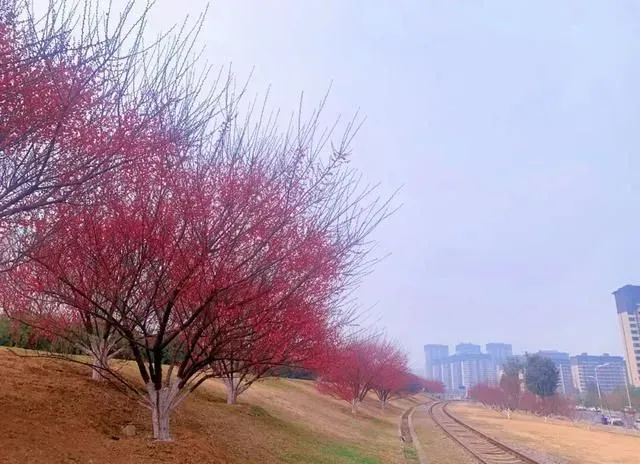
(53, 413)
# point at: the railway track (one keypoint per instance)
(485, 449)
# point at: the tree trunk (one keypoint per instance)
(383, 403)
(97, 367)
(232, 385)
(354, 406)
(99, 357)
(162, 402)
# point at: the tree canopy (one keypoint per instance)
(541, 375)
(512, 366)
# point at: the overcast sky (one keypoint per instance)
(512, 128)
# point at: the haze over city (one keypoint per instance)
(510, 128)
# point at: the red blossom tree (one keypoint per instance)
(392, 376)
(511, 385)
(86, 108)
(78, 95)
(360, 365)
(488, 395)
(496, 397)
(310, 326)
(433, 386)
(242, 258)
(151, 218)
(249, 359)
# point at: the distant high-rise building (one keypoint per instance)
(499, 353)
(461, 371)
(468, 370)
(628, 305)
(607, 371)
(563, 364)
(468, 367)
(433, 354)
(468, 348)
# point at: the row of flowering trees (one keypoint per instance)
(501, 397)
(370, 364)
(140, 215)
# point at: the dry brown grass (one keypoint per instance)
(53, 413)
(578, 444)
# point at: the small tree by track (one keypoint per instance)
(393, 377)
(510, 381)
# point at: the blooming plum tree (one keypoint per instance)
(393, 375)
(192, 267)
(360, 365)
(79, 95)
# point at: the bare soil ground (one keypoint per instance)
(52, 412)
(575, 443)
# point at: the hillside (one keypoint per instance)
(52, 412)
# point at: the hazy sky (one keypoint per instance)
(513, 129)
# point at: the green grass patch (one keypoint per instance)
(338, 454)
(257, 411)
(410, 454)
(349, 454)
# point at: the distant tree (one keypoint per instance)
(433, 386)
(510, 381)
(512, 367)
(511, 386)
(618, 400)
(488, 395)
(541, 376)
(559, 405)
(591, 396)
(496, 398)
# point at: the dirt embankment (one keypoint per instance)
(52, 412)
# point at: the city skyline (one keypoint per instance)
(469, 365)
(532, 351)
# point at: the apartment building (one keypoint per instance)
(627, 304)
(460, 371)
(499, 353)
(468, 370)
(432, 355)
(607, 371)
(468, 348)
